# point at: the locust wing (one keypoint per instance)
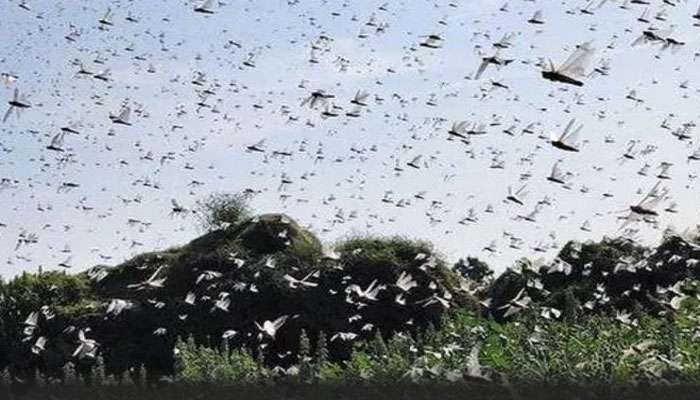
(572, 137)
(578, 62)
(482, 68)
(566, 131)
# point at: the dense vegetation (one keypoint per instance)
(375, 310)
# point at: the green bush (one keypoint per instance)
(223, 210)
(203, 365)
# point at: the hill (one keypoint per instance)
(266, 288)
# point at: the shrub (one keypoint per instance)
(203, 365)
(474, 269)
(222, 210)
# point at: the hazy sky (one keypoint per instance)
(153, 61)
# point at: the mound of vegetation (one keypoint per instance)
(253, 282)
(614, 277)
(257, 299)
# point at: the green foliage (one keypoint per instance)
(474, 269)
(307, 371)
(57, 289)
(596, 351)
(397, 341)
(277, 233)
(377, 345)
(379, 252)
(203, 365)
(223, 210)
(321, 357)
(571, 305)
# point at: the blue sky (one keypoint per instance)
(110, 162)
